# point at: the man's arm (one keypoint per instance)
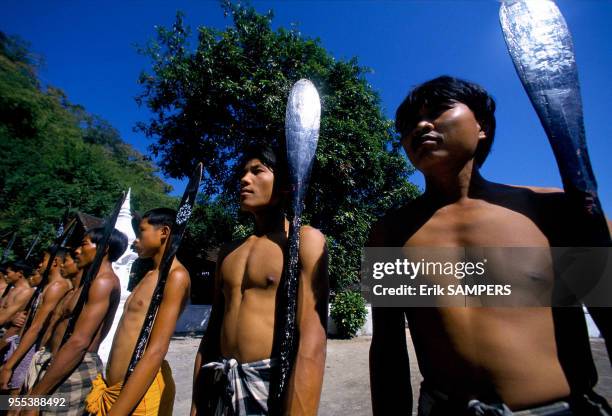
(209, 348)
(19, 302)
(53, 294)
(72, 352)
(389, 364)
(306, 381)
(176, 293)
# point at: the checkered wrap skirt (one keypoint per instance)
(78, 385)
(241, 389)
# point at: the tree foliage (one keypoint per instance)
(54, 154)
(213, 100)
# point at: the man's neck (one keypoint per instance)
(54, 275)
(269, 221)
(455, 186)
(157, 258)
(22, 282)
(76, 279)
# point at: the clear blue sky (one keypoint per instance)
(90, 53)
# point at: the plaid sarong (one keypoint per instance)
(78, 385)
(240, 389)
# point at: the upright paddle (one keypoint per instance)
(92, 270)
(302, 120)
(542, 50)
(172, 245)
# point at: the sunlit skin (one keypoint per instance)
(92, 324)
(69, 270)
(15, 301)
(151, 243)
(55, 289)
(242, 321)
(466, 351)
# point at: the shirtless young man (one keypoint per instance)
(469, 357)
(150, 388)
(237, 347)
(18, 296)
(12, 307)
(75, 364)
(70, 271)
(12, 373)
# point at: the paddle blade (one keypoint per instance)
(541, 48)
(302, 122)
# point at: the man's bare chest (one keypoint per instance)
(140, 298)
(484, 225)
(258, 264)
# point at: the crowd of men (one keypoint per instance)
(475, 361)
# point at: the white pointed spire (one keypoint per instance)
(122, 268)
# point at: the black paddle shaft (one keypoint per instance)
(92, 270)
(64, 233)
(172, 245)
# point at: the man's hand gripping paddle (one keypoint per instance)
(172, 245)
(302, 120)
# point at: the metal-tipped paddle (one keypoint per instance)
(302, 121)
(542, 50)
(172, 246)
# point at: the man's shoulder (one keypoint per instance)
(311, 234)
(312, 243)
(55, 288)
(179, 275)
(538, 198)
(107, 281)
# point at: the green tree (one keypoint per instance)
(214, 100)
(54, 154)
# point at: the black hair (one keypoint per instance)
(158, 217)
(438, 93)
(19, 266)
(272, 157)
(61, 253)
(3, 268)
(117, 243)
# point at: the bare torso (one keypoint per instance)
(57, 328)
(480, 352)
(128, 329)
(250, 275)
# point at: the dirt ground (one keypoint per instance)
(346, 386)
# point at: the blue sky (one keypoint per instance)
(90, 53)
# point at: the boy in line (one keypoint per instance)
(69, 270)
(150, 389)
(75, 364)
(12, 373)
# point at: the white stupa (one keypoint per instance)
(122, 268)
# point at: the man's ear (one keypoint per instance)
(482, 134)
(165, 230)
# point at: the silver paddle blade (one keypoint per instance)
(542, 50)
(302, 121)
